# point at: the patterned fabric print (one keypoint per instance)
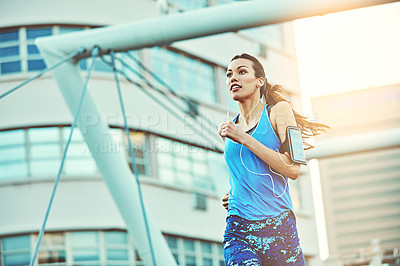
(272, 241)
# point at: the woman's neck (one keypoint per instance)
(249, 110)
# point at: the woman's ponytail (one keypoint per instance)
(275, 94)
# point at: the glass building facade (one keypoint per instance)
(36, 153)
(111, 248)
(187, 75)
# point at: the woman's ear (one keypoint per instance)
(261, 82)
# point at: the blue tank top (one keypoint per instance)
(252, 196)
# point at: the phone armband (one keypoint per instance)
(293, 144)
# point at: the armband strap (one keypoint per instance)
(293, 145)
(284, 146)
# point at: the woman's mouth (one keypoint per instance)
(235, 87)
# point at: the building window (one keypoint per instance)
(35, 61)
(10, 61)
(187, 76)
(182, 5)
(15, 250)
(192, 252)
(85, 246)
(173, 246)
(188, 166)
(13, 155)
(200, 202)
(116, 246)
(206, 253)
(37, 152)
(79, 160)
(19, 53)
(44, 151)
(52, 248)
(101, 248)
(139, 143)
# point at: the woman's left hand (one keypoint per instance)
(225, 201)
(233, 131)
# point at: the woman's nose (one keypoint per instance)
(233, 78)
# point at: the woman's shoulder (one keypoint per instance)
(281, 109)
(282, 114)
(282, 106)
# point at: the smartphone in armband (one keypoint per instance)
(294, 145)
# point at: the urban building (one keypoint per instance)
(360, 179)
(180, 168)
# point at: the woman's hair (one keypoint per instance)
(276, 93)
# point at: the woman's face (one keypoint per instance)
(241, 80)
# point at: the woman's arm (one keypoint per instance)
(281, 117)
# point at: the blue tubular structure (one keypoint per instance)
(63, 60)
(132, 153)
(95, 53)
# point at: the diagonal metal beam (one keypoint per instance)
(199, 23)
(355, 143)
(187, 25)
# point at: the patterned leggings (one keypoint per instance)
(273, 241)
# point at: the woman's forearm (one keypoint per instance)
(272, 158)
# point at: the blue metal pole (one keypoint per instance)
(95, 53)
(134, 166)
(112, 164)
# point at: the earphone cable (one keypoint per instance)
(265, 174)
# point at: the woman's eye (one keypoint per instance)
(242, 72)
(229, 75)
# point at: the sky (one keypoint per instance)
(349, 50)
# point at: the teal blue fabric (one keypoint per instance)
(252, 196)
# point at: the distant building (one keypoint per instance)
(177, 168)
(361, 182)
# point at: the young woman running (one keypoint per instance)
(261, 226)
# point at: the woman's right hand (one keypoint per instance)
(225, 199)
(220, 130)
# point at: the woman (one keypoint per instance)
(261, 226)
